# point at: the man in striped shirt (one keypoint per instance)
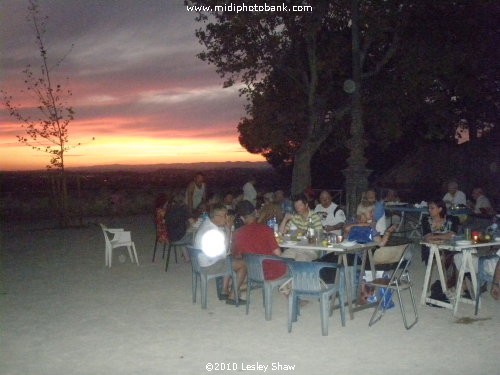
(300, 221)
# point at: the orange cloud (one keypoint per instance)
(130, 150)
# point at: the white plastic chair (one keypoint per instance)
(120, 238)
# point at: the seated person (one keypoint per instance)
(439, 226)
(228, 201)
(161, 204)
(365, 218)
(269, 211)
(211, 239)
(369, 199)
(490, 266)
(454, 197)
(257, 238)
(284, 203)
(391, 196)
(481, 205)
(332, 216)
(178, 221)
(300, 221)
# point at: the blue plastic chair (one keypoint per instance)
(307, 284)
(482, 276)
(173, 246)
(202, 274)
(255, 279)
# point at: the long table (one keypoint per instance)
(467, 265)
(342, 251)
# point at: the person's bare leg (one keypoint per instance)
(495, 288)
(226, 285)
(241, 273)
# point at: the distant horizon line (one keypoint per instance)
(119, 166)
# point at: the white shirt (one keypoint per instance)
(219, 246)
(249, 193)
(458, 198)
(329, 216)
(481, 202)
(198, 193)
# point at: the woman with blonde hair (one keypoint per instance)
(268, 211)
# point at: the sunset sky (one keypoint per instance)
(137, 85)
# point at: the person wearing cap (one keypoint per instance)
(257, 238)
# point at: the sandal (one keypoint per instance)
(231, 301)
(223, 297)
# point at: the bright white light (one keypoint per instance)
(213, 243)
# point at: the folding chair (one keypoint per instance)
(399, 281)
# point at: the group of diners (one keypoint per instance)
(246, 232)
(236, 224)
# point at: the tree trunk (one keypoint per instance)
(356, 173)
(301, 175)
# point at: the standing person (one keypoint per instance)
(196, 192)
(454, 197)
(332, 216)
(249, 192)
(257, 238)
(301, 220)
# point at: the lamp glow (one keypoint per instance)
(213, 243)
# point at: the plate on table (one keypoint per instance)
(463, 242)
(395, 203)
(289, 243)
(348, 243)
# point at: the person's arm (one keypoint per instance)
(382, 240)
(277, 252)
(284, 223)
(316, 222)
(440, 236)
(340, 217)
